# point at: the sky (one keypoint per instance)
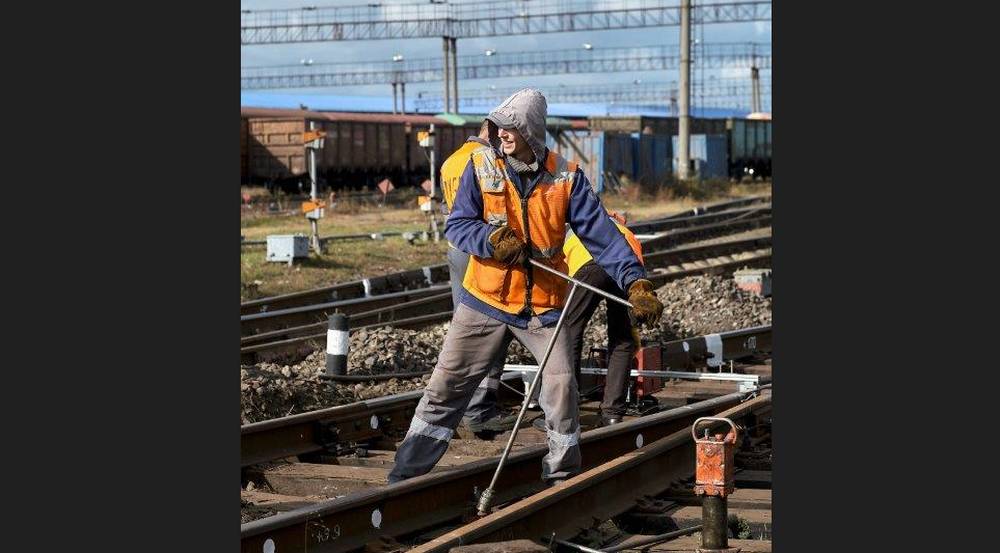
(379, 97)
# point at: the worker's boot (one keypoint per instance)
(487, 429)
(539, 424)
(610, 420)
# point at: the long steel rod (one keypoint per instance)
(732, 377)
(487, 498)
(579, 283)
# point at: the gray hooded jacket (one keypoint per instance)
(525, 111)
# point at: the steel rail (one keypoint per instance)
(674, 238)
(261, 322)
(436, 303)
(660, 269)
(660, 225)
(756, 258)
(661, 266)
(598, 493)
(411, 322)
(372, 286)
(423, 502)
(720, 206)
(320, 429)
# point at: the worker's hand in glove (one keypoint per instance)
(646, 307)
(507, 247)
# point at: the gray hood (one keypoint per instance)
(525, 111)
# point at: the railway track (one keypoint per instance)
(722, 206)
(385, 284)
(258, 323)
(332, 499)
(278, 336)
(319, 430)
(318, 478)
(416, 509)
(609, 489)
(675, 230)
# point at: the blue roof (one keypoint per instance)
(335, 102)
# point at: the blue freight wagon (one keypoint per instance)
(708, 155)
(603, 157)
(654, 167)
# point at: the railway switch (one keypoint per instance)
(714, 480)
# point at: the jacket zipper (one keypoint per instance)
(529, 274)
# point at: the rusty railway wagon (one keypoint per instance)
(360, 149)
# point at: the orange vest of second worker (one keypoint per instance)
(452, 169)
(577, 256)
(544, 213)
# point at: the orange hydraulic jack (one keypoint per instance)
(714, 464)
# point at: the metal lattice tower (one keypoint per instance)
(513, 64)
(475, 19)
(731, 92)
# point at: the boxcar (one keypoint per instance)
(749, 148)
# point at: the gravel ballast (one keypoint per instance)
(693, 306)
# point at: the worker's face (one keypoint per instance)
(513, 144)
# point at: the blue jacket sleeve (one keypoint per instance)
(590, 221)
(465, 228)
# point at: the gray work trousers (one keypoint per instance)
(483, 406)
(466, 358)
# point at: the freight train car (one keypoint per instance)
(749, 144)
(244, 150)
(360, 149)
(584, 147)
(463, 126)
(609, 157)
(645, 124)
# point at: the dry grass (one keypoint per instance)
(354, 259)
(344, 260)
(640, 205)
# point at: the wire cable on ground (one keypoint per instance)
(369, 377)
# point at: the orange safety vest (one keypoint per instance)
(452, 169)
(577, 256)
(543, 215)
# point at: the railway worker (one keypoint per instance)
(509, 208)
(623, 338)
(482, 417)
